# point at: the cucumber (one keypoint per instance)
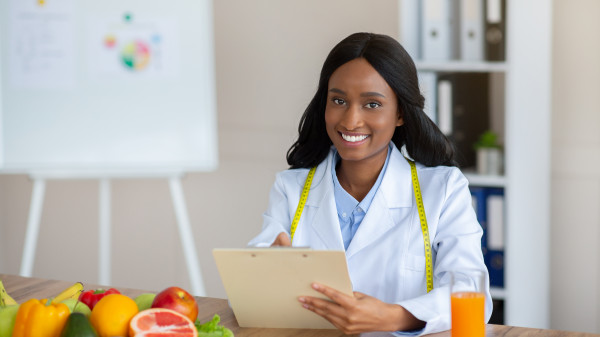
(78, 325)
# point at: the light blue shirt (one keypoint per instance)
(350, 211)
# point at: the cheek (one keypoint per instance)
(330, 119)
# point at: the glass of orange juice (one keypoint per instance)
(467, 302)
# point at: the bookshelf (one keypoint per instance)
(525, 114)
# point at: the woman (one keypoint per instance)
(362, 198)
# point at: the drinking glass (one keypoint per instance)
(467, 301)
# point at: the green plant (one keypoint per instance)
(488, 139)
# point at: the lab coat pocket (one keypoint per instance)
(414, 274)
(414, 262)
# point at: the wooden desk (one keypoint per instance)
(23, 288)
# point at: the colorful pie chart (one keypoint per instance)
(136, 55)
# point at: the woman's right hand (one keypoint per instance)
(282, 240)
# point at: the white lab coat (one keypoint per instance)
(386, 258)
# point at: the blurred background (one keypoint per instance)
(268, 56)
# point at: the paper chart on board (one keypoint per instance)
(41, 51)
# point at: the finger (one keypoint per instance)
(285, 240)
(342, 322)
(324, 307)
(335, 295)
(358, 295)
(281, 240)
(328, 310)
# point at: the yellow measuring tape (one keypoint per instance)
(302, 201)
(421, 208)
(424, 227)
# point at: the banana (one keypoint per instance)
(73, 291)
(5, 298)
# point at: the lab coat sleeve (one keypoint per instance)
(276, 218)
(456, 246)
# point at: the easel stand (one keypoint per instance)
(104, 225)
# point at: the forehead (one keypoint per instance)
(358, 74)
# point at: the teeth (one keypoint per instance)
(353, 138)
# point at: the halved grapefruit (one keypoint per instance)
(159, 322)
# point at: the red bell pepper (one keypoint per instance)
(91, 297)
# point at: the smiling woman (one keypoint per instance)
(368, 199)
(361, 116)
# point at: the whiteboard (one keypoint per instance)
(111, 85)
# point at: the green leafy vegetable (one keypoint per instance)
(212, 328)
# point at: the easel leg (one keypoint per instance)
(186, 236)
(33, 227)
(104, 233)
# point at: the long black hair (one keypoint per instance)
(424, 141)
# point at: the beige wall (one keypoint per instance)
(575, 253)
(268, 56)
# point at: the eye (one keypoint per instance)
(338, 101)
(372, 105)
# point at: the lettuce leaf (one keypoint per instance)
(212, 328)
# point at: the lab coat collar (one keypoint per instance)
(325, 222)
(395, 192)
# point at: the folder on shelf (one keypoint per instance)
(494, 261)
(444, 106)
(495, 30)
(495, 219)
(439, 29)
(410, 27)
(479, 199)
(463, 111)
(428, 84)
(471, 30)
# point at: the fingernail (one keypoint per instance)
(316, 286)
(301, 299)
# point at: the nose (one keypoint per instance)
(352, 118)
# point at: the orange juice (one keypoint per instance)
(468, 318)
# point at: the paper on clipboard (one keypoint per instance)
(263, 284)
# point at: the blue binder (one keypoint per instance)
(479, 195)
(494, 261)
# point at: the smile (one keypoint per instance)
(354, 139)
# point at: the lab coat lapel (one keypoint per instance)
(321, 199)
(395, 192)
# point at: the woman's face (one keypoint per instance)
(361, 112)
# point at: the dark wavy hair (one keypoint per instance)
(424, 141)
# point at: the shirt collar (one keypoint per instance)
(345, 202)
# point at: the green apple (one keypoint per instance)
(76, 306)
(8, 314)
(144, 301)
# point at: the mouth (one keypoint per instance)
(353, 138)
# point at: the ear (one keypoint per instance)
(400, 120)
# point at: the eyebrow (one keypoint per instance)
(364, 94)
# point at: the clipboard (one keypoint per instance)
(263, 284)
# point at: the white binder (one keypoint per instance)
(472, 41)
(495, 217)
(428, 85)
(444, 92)
(410, 27)
(440, 30)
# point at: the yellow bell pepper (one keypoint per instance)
(40, 318)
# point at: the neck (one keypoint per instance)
(358, 177)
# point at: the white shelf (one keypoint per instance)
(462, 66)
(485, 180)
(524, 100)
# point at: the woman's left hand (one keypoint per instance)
(359, 313)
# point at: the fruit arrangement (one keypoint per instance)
(101, 313)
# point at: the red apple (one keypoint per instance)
(177, 299)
